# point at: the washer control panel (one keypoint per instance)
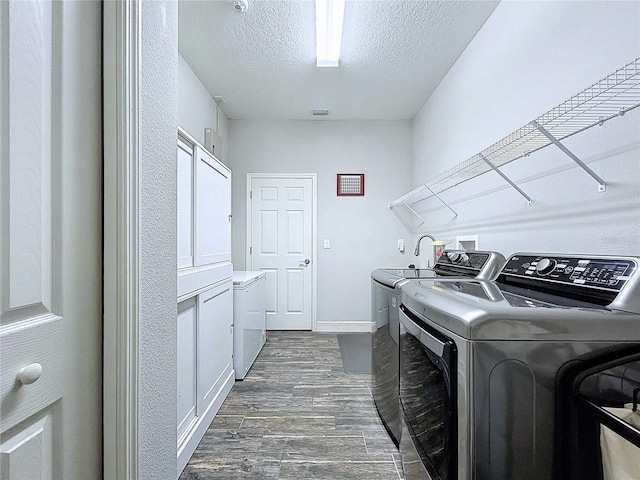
(462, 258)
(606, 273)
(481, 265)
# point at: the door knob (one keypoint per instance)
(30, 374)
(305, 262)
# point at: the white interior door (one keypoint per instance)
(50, 236)
(280, 241)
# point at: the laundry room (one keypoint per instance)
(473, 131)
(507, 64)
(328, 239)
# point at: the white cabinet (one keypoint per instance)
(204, 217)
(187, 368)
(205, 363)
(249, 319)
(215, 340)
(186, 203)
(213, 210)
(205, 293)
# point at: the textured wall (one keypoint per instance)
(158, 136)
(197, 109)
(362, 230)
(528, 58)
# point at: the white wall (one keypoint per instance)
(528, 58)
(197, 109)
(362, 230)
(158, 245)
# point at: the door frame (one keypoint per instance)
(121, 90)
(314, 227)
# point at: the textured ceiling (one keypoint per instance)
(394, 54)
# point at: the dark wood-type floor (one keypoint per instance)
(297, 415)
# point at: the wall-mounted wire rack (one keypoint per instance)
(608, 98)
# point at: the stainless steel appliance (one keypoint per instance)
(479, 360)
(385, 292)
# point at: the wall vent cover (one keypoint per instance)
(320, 112)
(350, 184)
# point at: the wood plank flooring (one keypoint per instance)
(297, 415)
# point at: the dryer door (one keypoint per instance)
(428, 396)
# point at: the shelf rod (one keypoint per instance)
(601, 183)
(442, 201)
(507, 179)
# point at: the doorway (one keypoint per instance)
(281, 241)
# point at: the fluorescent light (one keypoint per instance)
(329, 19)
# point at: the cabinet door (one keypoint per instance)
(185, 204)
(213, 210)
(215, 341)
(187, 399)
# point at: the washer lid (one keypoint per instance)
(451, 264)
(482, 310)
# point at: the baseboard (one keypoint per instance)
(345, 326)
(189, 445)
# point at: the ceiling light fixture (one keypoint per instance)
(329, 20)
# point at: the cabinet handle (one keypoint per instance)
(29, 374)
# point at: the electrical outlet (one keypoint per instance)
(327, 243)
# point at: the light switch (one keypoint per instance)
(327, 243)
(401, 245)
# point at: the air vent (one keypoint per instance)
(318, 112)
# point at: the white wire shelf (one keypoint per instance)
(608, 98)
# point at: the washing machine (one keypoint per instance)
(480, 360)
(385, 293)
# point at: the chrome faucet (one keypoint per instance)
(416, 252)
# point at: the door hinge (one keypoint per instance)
(230, 217)
(250, 194)
(250, 250)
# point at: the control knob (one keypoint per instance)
(457, 257)
(545, 266)
(453, 256)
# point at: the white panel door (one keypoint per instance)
(280, 244)
(50, 237)
(213, 210)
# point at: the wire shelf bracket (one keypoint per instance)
(507, 179)
(442, 201)
(602, 186)
(415, 214)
